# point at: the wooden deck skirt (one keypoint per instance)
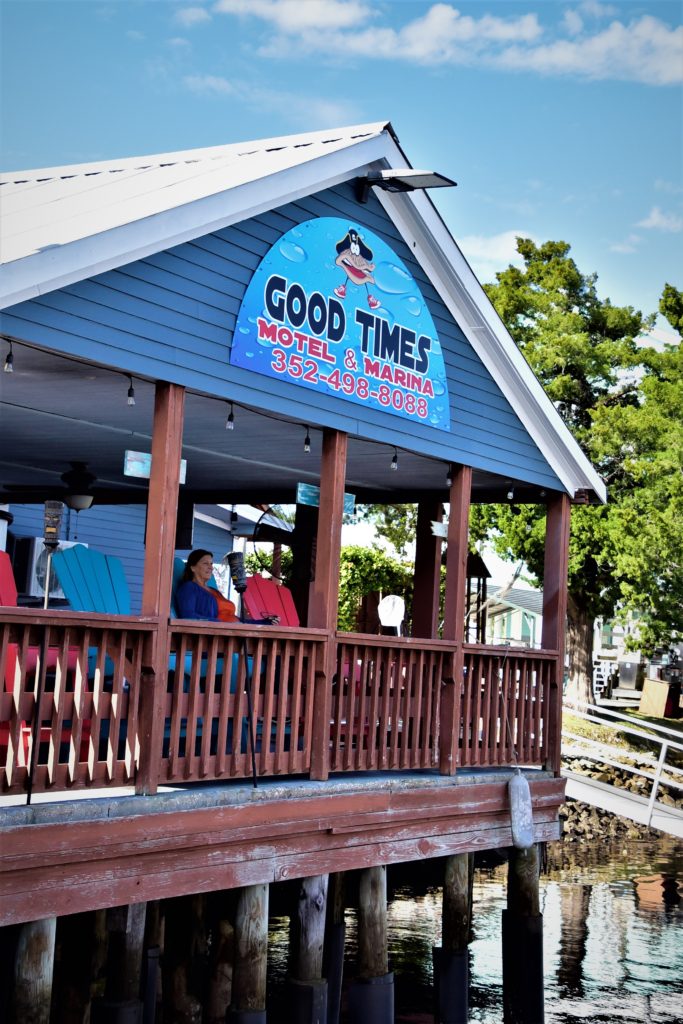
(84, 854)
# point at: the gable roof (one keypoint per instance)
(65, 224)
(517, 597)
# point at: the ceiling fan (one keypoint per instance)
(77, 491)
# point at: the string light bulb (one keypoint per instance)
(394, 460)
(131, 392)
(230, 422)
(307, 441)
(511, 494)
(449, 476)
(9, 360)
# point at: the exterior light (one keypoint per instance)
(399, 179)
(131, 392)
(230, 422)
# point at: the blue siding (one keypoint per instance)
(171, 317)
(115, 530)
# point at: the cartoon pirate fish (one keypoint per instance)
(354, 257)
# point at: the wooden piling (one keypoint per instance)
(335, 935)
(251, 953)
(371, 997)
(451, 974)
(308, 989)
(180, 1002)
(80, 961)
(33, 971)
(523, 941)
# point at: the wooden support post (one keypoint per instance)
(251, 954)
(427, 571)
(555, 570)
(121, 1001)
(308, 989)
(335, 934)
(523, 941)
(325, 589)
(33, 969)
(303, 558)
(220, 979)
(454, 615)
(451, 974)
(162, 503)
(371, 997)
(181, 1004)
(80, 959)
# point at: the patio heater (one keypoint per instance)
(51, 530)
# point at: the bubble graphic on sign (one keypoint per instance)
(293, 252)
(412, 305)
(392, 279)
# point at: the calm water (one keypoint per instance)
(613, 936)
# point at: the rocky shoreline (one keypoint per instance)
(584, 823)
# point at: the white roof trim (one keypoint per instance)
(283, 178)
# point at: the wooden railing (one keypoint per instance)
(388, 700)
(87, 669)
(212, 676)
(505, 705)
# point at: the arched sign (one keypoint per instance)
(332, 308)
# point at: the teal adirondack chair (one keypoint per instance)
(91, 581)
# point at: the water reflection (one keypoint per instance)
(613, 942)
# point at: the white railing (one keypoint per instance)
(657, 734)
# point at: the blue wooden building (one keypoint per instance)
(303, 292)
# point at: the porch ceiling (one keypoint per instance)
(54, 410)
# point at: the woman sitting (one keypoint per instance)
(195, 600)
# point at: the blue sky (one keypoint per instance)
(557, 120)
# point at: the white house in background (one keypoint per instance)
(514, 616)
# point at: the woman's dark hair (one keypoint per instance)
(192, 559)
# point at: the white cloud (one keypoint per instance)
(573, 22)
(594, 9)
(644, 50)
(209, 85)
(489, 254)
(661, 221)
(189, 16)
(294, 16)
(629, 245)
(297, 109)
(133, 33)
(178, 42)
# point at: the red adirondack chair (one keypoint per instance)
(265, 597)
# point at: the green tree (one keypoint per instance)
(622, 401)
(365, 570)
(396, 523)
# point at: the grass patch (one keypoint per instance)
(600, 733)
